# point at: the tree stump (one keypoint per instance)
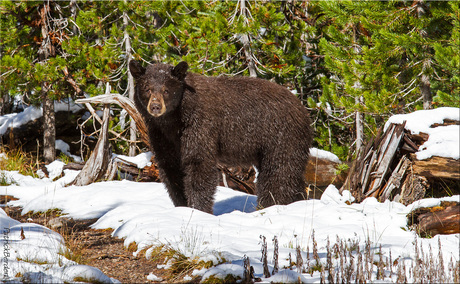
(96, 166)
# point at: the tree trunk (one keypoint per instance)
(425, 89)
(49, 126)
(49, 130)
(425, 85)
(130, 87)
(96, 166)
(245, 40)
(73, 14)
(359, 131)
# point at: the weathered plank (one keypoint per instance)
(386, 156)
(396, 178)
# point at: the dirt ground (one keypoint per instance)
(96, 248)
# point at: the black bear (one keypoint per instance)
(195, 122)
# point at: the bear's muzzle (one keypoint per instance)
(156, 106)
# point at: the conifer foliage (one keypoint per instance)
(353, 63)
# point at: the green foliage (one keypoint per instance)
(340, 57)
(376, 53)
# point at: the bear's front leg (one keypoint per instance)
(168, 160)
(201, 178)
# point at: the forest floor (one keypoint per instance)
(96, 247)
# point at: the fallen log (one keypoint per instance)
(323, 172)
(437, 167)
(431, 221)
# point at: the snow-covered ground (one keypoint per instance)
(143, 213)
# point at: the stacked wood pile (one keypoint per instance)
(387, 168)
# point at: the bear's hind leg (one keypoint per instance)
(281, 182)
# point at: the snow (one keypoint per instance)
(35, 252)
(321, 154)
(143, 213)
(153, 277)
(31, 113)
(142, 160)
(443, 141)
(65, 148)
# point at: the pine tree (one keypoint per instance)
(381, 57)
(447, 56)
(32, 59)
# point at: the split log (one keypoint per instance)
(396, 178)
(443, 219)
(437, 167)
(385, 157)
(413, 188)
(371, 169)
(96, 166)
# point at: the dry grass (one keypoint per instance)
(348, 261)
(18, 160)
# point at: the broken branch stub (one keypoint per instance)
(96, 166)
(127, 104)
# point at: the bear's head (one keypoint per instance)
(159, 86)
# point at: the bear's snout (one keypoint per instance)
(156, 106)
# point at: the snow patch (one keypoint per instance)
(322, 154)
(443, 141)
(65, 148)
(14, 120)
(140, 160)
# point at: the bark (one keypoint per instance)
(49, 130)
(425, 89)
(130, 87)
(245, 40)
(359, 131)
(431, 221)
(437, 167)
(73, 14)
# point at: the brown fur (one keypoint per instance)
(231, 120)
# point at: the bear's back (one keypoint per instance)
(260, 113)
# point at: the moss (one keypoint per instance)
(229, 278)
(87, 280)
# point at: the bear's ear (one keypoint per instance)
(180, 70)
(136, 69)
